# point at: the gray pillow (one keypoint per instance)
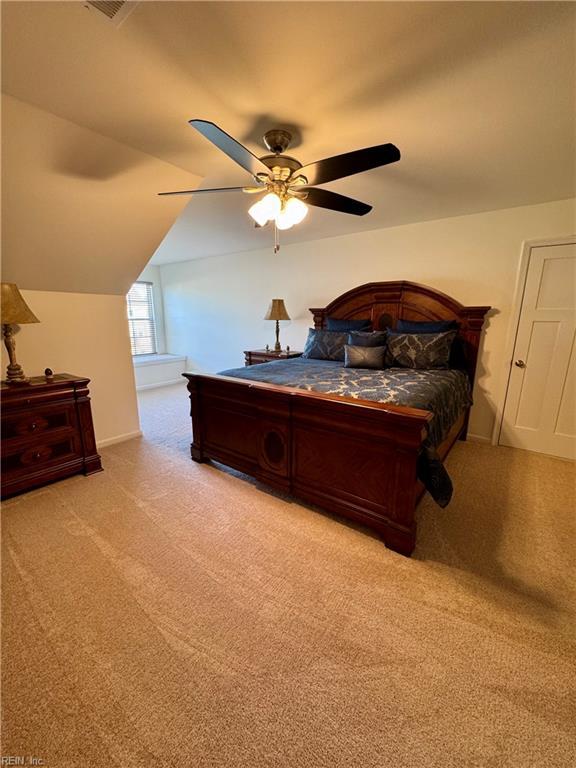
(325, 345)
(421, 350)
(362, 339)
(363, 357)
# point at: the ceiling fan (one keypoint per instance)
(288, 185)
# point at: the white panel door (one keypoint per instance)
(540, 409)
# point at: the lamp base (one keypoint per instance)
(15, 375)
(14, 372)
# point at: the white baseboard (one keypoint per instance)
(118, 439)
(478, 439)
(142, 387)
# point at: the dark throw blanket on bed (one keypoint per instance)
(446, 393)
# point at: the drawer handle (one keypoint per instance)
(33, 426)
(37, 455)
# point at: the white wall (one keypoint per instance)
(214, 307)
(86, 335)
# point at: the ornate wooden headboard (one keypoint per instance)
(386, 303)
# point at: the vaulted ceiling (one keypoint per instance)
(479, 97)
(79, 210)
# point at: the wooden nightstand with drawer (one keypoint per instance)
(47, 432)
(256, 356)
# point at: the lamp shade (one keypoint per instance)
(14, 308)
(277, 311)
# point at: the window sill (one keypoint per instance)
(140, 361)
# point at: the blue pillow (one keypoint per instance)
(370, 339)
(325, 345)
(335, 324)
(435, 326)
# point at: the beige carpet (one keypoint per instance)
(165, 613)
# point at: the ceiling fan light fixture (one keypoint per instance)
(266, 209)
(296, 209)
(293, 212)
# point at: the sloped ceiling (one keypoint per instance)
(480, 98)
(79, 210)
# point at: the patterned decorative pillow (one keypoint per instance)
(325, 345)
(363, 339)
(421, 350)
(364, 357)
(335, 324)
(435, 326)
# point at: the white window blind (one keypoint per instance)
(140, 301)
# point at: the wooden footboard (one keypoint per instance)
(351, 457)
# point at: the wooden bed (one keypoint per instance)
(355, 458)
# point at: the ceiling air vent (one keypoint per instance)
(114, 10)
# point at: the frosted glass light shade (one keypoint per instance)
(266, 209)
(294, 212)
(296, 209)
(283, 221)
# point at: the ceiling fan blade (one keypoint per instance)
(323, 198)
(219, 189)
(230, 147)
(339, 166)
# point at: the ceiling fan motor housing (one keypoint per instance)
(283, 166)
(277, 140)
(288, 164)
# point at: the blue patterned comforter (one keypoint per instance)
(446, 393)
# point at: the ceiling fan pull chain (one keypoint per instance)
(276, 239)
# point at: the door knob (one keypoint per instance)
(520, 364)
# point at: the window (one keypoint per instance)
(140, 304)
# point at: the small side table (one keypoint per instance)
(256, 356)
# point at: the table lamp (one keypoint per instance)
(277, 311)
(14, 311)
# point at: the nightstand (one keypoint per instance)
(255, 356)
(47, 432)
